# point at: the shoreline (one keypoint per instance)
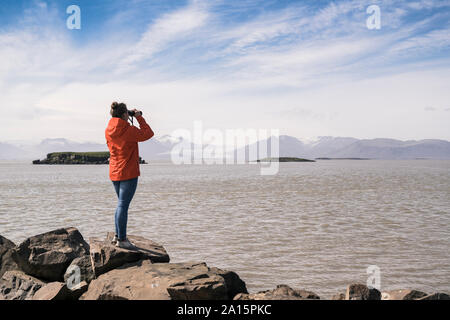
(100, 264)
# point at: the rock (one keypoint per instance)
(47, 256)
(6, 261)
(106, 256)
(79, 289)
(200, 287)
(339, 296)
(281, 292)
(143, 280)
(16, 285)
(60, 291)
(53, 291)
(436, 296)
(234, 284)
(148, 248)
(86, 272)
(362, 292)
(405, 294)
(5, 245)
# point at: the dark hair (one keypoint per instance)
(118, 109)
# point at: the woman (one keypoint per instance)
(122, 140)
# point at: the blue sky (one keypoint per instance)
(308, 68)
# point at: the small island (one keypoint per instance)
(285, 159)
(342, 158)
(99, 157)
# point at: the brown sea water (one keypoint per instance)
(314, 226)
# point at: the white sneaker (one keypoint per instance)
(126, 244)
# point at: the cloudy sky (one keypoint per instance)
(307, 68)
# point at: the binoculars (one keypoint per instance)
(132, 113)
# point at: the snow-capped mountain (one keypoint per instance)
(27, 151)
(159, 148)
(395, 149)
(327, 145)
(346, 147)
(155, 148)
(9, 151)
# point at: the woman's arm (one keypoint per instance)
(139, 135)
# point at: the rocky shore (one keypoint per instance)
(61, 265)
(101, 157)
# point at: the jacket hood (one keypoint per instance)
(116, 127)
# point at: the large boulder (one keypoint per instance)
(47, 256)
(105, 256)
(144, 280)
(361, 292)
(6, 261)
(281, 292)
(16, 285)
(404, 294)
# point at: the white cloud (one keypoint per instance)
(427, 42)
(300, 64)
(166, 29)
(427, 4)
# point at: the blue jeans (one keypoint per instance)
(125, 191)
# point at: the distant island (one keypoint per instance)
(342, 158)
(101, 157)
(285, 159)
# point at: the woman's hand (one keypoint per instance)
(137, 113)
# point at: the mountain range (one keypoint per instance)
(158, 148)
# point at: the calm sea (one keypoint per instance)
(315, 226)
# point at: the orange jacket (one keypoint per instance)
(122, 140)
